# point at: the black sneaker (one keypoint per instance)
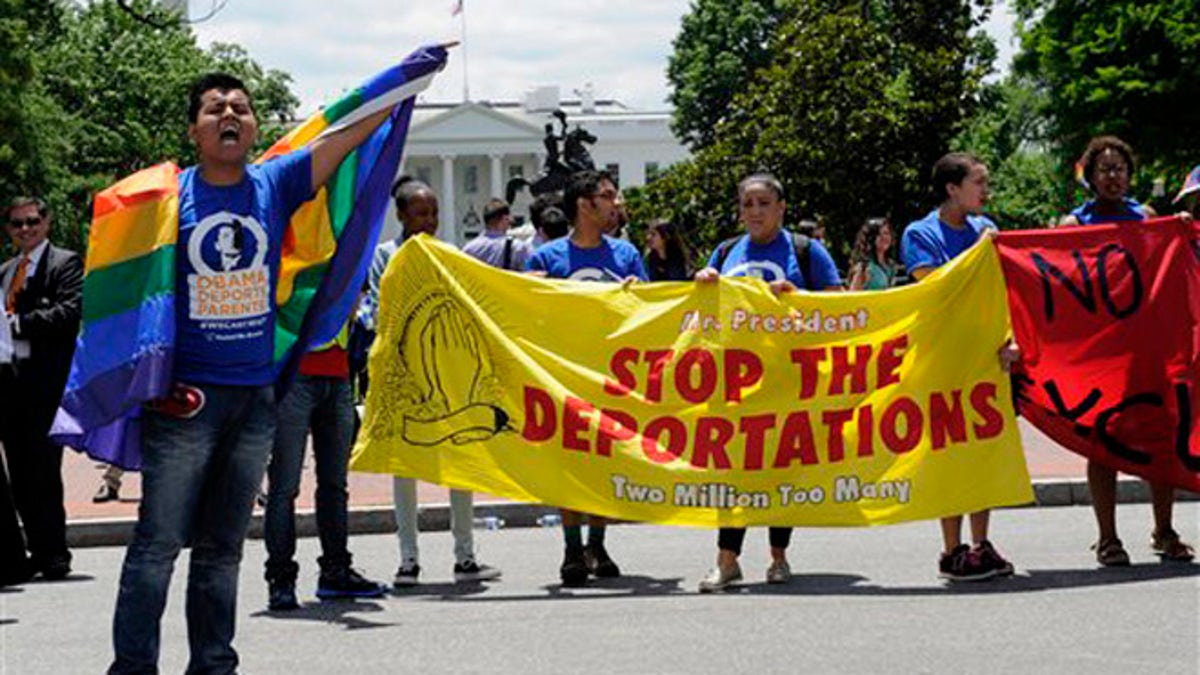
(963, 564)
(56, 568)
(406, 576)
(574, 570)
(106, 493)
(990, 558)
(473, 571)
(599, 564)
(282, 596)
(347, 583)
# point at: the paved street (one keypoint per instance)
(863, 601)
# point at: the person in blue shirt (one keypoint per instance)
(589, 202)
(1108, 164)
(960, 183)
(769, 252)
(205, 448)
(1107, 168)
(588, 254)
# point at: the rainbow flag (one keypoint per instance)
(123, 356)
(1190, 184)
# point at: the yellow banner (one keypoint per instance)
(690, 404)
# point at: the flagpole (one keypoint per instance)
(466, 77)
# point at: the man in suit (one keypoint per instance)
(43, 296)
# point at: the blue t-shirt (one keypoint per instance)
(1132, 211)
(612, 260)
(228, 263)
(777, 261)
(929, 243)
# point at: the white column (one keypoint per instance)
(449, 221)
(497, 180)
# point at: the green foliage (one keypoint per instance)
(104, 95)
(719, 47)
(1008, 133)
(1124, 67)
(857, 103)
(21, 158)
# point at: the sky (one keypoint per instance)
(619, 46)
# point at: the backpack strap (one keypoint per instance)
(803, 246)
(723, 250)
(508, 244)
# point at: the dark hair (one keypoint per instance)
(405, 188)
(1097, 146)
(582, 184)
(766, 179)
(952, 168)
(547, 216)
(864, 241)
(42, 208)
(554, 223)
(494, 210)
(208, 82)
(677, 249)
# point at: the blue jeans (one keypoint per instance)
(199, 480)
(324, 405)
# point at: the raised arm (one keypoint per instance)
(329, 151)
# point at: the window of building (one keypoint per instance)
(425, 175)
(614, 170)
(652, 172)
(471, 179)
(516, 171)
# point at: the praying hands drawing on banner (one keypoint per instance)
(455, 369)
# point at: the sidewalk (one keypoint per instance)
(1059, 479)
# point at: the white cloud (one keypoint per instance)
(621, 46)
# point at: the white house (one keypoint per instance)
(468, 151)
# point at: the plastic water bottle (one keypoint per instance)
(489, 523)
(550, 520)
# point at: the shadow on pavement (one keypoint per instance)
(1024, 581)
(623, 587)
(72, 578)
(331, 611)
(442, 591)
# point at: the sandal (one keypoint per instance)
(1110, 553)
(1170, 547)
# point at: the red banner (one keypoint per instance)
(1106, 317)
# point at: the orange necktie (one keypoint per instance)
(18, 285)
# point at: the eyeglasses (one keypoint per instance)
(18, 223)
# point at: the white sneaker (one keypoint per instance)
(473, 571)
(779, 572)
(719, 579)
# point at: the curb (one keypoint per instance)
(436, 517)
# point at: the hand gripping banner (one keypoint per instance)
(683, 403)
(1106, 317)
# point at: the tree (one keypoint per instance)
(1009, 133)
(719, 47)
(106, 95)
(22, 160)
(857, 103)
(1124, 67)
